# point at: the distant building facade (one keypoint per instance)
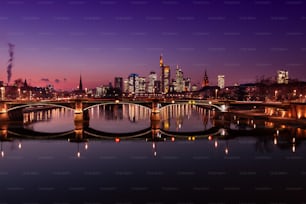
(221, 81)
(165, 76)
(282, 77)
(151, 83)
(118, 83)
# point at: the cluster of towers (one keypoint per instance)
(136, 84)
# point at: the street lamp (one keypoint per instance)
(216, 93)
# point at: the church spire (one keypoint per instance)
(205, 80)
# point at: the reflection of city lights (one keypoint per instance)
(180, 126)
(2, 153)
(277, 132)
(86, 146)
(275, 141)
(153, 145)
(19, 145)
(216, 144)
(226, 150)
(79, 154)
(155, 153)
(293, 148)
(254, 126)
(293, 140)
(117, 139)
(172, 139)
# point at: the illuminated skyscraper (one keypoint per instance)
(282, 77)
(151, 81)
(221, 81)
(179, 80)
(205, 81)
(142, 85)
(165, 75)
(133, 83)
(126, 86)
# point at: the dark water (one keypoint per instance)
(235, 163)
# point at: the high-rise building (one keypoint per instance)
(179, 80)
(187, 86)
(125, 86)
(151, 81)
(205, 81)
(142, 85)
(118, 83)
(165, 75)
(157, 86)
(221, 82)
(133, 83)
(282, 77)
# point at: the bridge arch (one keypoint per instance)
(221, 108)
(115, 103)
(39, 104)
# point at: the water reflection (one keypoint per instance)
(194, 153)
(48, 119)
(186, 117)
(119, 118)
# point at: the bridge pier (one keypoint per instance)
(4, 120)
(81, 121)
(3, 107)
(155, 113)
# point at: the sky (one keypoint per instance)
(56, 41)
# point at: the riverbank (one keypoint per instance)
(261, 115)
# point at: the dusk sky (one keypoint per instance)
(57, 40)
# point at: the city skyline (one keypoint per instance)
(56, 41)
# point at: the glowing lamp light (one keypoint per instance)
(226, 151)
(117, 101)
(172, 139)
(117, 140)
(210, 138)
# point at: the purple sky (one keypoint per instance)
(58, 39)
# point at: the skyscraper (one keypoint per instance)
(205, 81)
(221, 81)
(133, 83)
(282, 77)
(165, 75)
(118, 83)
(179, 82)
(151, 81)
